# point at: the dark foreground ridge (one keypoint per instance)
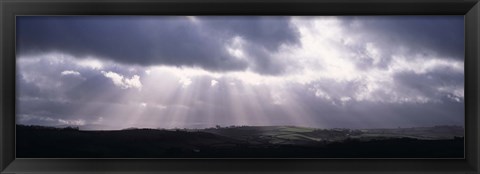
(241, 142)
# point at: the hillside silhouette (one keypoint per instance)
(240, 142)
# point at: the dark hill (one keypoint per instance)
(231, 142)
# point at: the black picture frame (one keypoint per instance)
(11, 8)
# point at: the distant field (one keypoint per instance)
(295, 135)
(241, 142)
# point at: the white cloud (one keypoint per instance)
(69, 72)
(422, 65)
(78, 122)
(53, 121)
(116, 78)
(123, 82)
(133, 82)
(235, 47)
(345, 99)
(373, 52)
(213, 83)
(322, 94)
(453, 93)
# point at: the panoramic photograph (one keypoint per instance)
(240, 87)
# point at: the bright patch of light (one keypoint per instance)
(98, 121)
(180, 72)
(192, 19)
(53, 121)
(77, 122)
(90, 63)
(185, 82)
(322, 51)
(249, 78)
(158, 106)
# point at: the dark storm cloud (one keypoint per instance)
(427, 36)
(268, 32)
(427, 84)
(176, 41)
(263, 62)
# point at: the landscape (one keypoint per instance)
(241, 142)
(240, 87)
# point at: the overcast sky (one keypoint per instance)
(194, 72)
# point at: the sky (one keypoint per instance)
(116, 72)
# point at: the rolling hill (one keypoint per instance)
(240, 142)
